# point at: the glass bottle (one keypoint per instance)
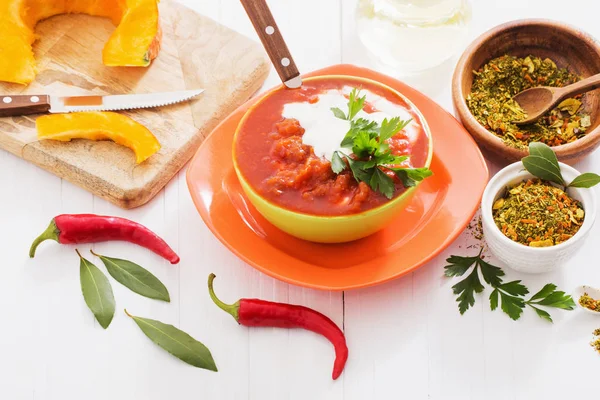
(413, 35)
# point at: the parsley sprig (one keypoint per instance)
(370, 155)
(509, 295)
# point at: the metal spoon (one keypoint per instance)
(592, 292)
(538, 101)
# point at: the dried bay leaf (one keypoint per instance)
(176, 342)
(543, 150)
(586, 180)
(570, 105)
(543, 169)
(97, 292)
(135, 277)
(543, 163)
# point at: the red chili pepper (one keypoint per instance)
(254, 312)
(90, 228)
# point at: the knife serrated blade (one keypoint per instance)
(68, 104)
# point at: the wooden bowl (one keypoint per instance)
(565, 45)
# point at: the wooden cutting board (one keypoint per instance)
(196, 52)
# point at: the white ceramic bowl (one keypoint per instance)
(523, 258)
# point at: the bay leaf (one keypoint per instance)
(543, 150)
(586, 180)
(97, 292)
(546, 152)
(543, 168)
(176, 342)
(135, 277)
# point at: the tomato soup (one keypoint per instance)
(284, 146)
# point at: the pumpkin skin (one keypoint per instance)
(135, 41)
(99, 126)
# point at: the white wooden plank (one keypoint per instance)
(30, 197)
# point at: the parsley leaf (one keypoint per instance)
(391, 127)
(542, 313)
(371, 155)
(410, 176)
(512, 305)
(348, 140)
(365, 125)
(557, 299)
(492, 275)
(514, 288)
(459, 265)
(338, 113)
(389, 160)
(466, 290)
(355, 103)
(337, 163)
(356, 126)
(544, 292)
(360, 172)
(364, 144)
(380, 181)
(494, 299)
(548, 296)
(509, 295)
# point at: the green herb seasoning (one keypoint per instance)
(537, 214)
(589, 303)
(490, 101)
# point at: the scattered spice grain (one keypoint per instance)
(596, 342)
(475, 228)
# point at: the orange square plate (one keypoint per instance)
(439, 211)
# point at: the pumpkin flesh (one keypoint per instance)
(135, 41)
(99, 126)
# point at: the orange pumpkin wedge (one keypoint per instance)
(99, 126)
(135, 42)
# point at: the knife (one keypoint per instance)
(16, 105)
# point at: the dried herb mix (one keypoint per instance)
(490, 101)
(537, 214)
(589, 303)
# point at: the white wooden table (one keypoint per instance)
(406, 338)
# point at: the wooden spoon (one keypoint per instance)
(270, 36)
(538, 101)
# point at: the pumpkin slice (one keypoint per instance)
(99, 126)
(135, 42)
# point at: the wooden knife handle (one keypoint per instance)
(16, 105)
(272, 40)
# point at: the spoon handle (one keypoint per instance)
(583, 86)
(270, 36)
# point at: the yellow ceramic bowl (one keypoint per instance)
(330, 229)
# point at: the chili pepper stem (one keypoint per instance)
(129, 315)
(232, 309)
(51, 232)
